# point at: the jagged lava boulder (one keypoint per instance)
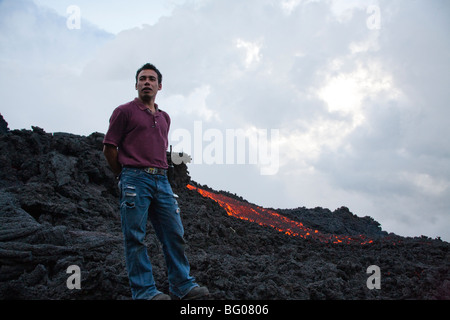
(3, 125)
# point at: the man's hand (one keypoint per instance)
(111, 155)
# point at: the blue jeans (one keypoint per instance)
(144, 196)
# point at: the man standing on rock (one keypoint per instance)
(135, 147)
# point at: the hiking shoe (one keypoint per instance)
(161, 296)
(195, 293)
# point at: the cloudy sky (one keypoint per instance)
(338, 103)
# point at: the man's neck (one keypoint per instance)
(150, 104)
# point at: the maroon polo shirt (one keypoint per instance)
(140, 136)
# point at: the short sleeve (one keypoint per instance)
(117, 125)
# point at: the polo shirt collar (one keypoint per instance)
(142, 106)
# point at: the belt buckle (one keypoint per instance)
(154, 171)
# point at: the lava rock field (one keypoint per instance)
(59, 207)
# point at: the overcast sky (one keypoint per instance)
(348, 100)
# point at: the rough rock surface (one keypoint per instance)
(59, 207)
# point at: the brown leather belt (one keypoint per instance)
(150, 170)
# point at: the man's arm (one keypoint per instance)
(111, 155)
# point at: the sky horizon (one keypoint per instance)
(292, 103)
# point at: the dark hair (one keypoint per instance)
(149, 66)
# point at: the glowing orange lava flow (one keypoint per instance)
(270, 218)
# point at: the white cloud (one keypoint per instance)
(41, 62)
(425, 183)
(346, 93)
(344, 10)
(115, 16)
(194, 105)
(252, 51)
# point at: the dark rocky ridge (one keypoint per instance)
(58, 207)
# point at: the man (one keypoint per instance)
(135, 147)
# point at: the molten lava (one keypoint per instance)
(270, 218)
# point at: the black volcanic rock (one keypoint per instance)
(59, 207)
(3, 125)
(340, 221)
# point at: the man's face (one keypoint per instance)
(147, 85)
